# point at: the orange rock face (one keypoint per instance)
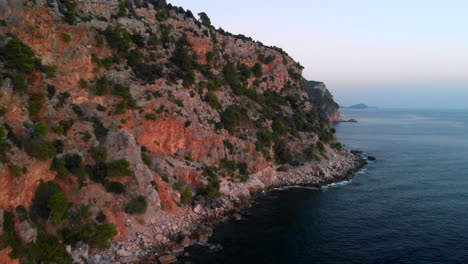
(5, 259)
(168, 136)
(168, 198)
(20, 191)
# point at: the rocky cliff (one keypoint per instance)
(321, 97)
(126, 125)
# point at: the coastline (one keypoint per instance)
(168, 236)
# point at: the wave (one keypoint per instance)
(337, 184)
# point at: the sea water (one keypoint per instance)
(408, 206)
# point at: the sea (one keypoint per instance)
(408, 206)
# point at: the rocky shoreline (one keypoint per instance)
(166, 237)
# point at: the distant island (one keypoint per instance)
(358, 106)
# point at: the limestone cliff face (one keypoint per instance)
(146, 117)
(323, 99)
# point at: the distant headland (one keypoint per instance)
(358, 106)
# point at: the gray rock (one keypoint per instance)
(26, 232)
(185, 242)
(167, 259)
(203, 238)
(237, 217)
(79, 253)
(123, 253)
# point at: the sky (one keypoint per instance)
(385, 53)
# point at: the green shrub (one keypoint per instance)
(106, 62)
(337, 146)
(58, 146)
(102, 86)
(51, 91)
(282, 153)
(148, 72)
(186, 195)
(310, 152)
(121, 107)
(74, 164)
(16, 170)
(115, 187)
(118, 38)
(83, 83)
(205, 20)
(122, 9)
(97, 172)
(122, 91)
(212, 188)
(99, 153)
(40, 129)
(101, 217)
(162, 15)
(245, 71)
(182, 57)
(34, 108)
(212, 100)
(179, 102)
(279, 127)
(119, 168)
(18, 56)
(166, 34)
(66, 37)
(232, 117)
(100, 132)
(189, 79)
(266, 59)
(151, 116)
(59, 165)
(229, 165)
(232, 77)
(58, 204)
(44, 192)
(69, 11)
(49, 70)
(47, 249)
(87, 136)
(99, 236)
(243, 168)
(19, 83)
(137, 206)
(320, 146)
(101, 108)
(135, 57)
(257, 70)
(41, 149)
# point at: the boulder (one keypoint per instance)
(79, 253)
(203, 238)
(185, 242)
(236, 217)
(371, 158)
(123, 253)
(26, 232)
(167, 259)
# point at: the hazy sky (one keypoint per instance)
(398, 53)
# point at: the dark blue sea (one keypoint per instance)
(409, 206)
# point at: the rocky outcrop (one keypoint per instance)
(145, 123)
(323, 99)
